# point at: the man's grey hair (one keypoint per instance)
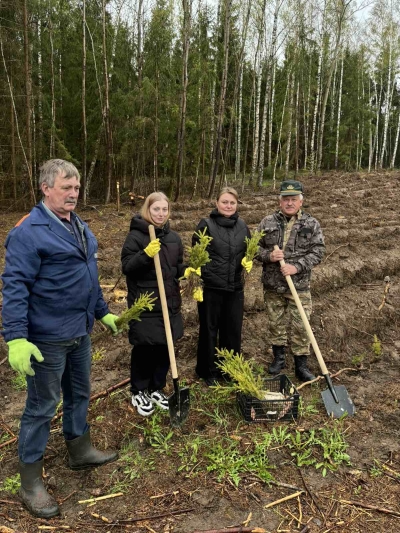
(53, 168)
(283, 196)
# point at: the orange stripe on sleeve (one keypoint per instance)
(22, 219)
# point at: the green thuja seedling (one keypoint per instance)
(244, 379)
(145, 301)
(252, 244)
(376, 346)
(198, 255)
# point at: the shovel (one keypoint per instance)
(179, 401)
(336, 399)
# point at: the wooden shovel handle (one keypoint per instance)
(164, 307)
(304, 319)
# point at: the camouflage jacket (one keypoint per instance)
(304, 249)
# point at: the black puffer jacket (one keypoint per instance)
(141, 278)
(226, 250)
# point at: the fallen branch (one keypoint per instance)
(8, 442)
(3, 360)
(145, 518)
(285, 499)
(335, 250)
(371, 507)
(106, 497)
(385, 293)
(239, 529)
(100, 394)
(319, 378)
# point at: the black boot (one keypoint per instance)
(33, 493)
(301, 369)
(83, 455)
(279, 360)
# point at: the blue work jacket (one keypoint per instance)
(51, 290)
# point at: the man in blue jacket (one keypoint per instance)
(51, 297)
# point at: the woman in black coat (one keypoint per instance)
(221, 311)
(149, 357)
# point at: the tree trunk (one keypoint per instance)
(267, 96)
(387, 105)
(290, 82)
(221, 107)
(84, 125)
(339, 112)
(28, 100)
(52, 86)
(187, 15)
(106, 111)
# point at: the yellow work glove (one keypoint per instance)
(109, 321)
(247, 265)
(153, 248)
(189, 270)
(198, 294)
(19, 356)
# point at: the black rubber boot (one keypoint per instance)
(33, 493)
(83, 455)
(279, 360)
(301, 369)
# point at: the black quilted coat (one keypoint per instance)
(141, 278)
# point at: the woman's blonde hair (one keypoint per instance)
(229, 190)
(156, 196)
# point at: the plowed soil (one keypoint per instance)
(356, 296)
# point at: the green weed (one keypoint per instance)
(11, 484)
(18, 382)
(309, 409)
(156, 435)
(98, 355)
(358, 359)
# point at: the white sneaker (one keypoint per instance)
(143, 403)
(159, 398)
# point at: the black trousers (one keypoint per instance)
(221, 318)
(149, 367)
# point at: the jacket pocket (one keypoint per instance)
(271, 237)
(303, 238)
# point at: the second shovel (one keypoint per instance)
(336, 399)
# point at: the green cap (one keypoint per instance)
(291, 188)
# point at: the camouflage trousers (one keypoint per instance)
(282, 312)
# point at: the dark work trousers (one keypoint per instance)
(220, 315)
(149, 367)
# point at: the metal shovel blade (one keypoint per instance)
(179, 405)
(344, 405)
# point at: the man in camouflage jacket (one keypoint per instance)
(301, 245)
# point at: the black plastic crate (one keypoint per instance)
(255, 410)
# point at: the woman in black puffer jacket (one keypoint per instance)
(149, 357)
(221, 311)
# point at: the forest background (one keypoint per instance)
(185, 95)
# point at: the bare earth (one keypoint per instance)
(360, 219)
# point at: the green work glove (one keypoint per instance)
(247, 264)
(153, 248)
(19, 356)
(189, 270)
(109, 321)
